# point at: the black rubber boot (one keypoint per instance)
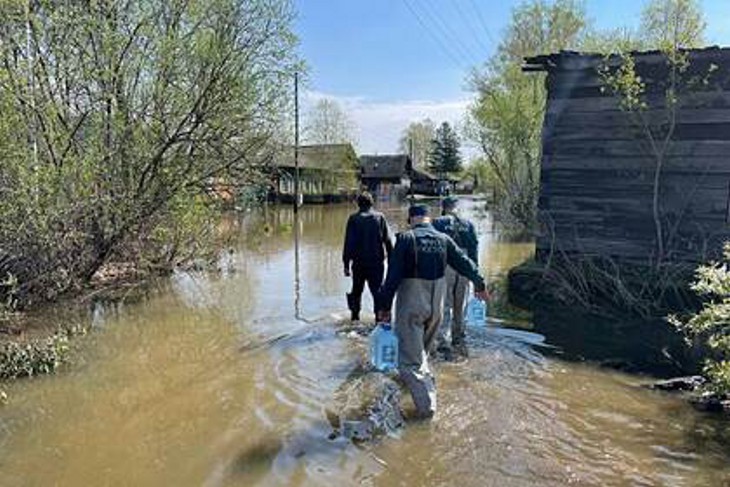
(353, 307)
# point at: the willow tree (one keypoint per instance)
(116, 118)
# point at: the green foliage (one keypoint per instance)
(31, 358)
(507, 115)
(711, 325)
(670, 25)
(444, 157)
(117, 116)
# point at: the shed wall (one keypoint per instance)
(597, 166)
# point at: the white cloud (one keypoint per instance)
(380, 124)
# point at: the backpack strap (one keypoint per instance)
(414, 251)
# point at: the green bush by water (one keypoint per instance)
(711, 325)
(31, 358)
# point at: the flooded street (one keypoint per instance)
(224, 379)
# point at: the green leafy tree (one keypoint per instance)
(416, 140)
(119, 118)
(445, 157)
(670, 25)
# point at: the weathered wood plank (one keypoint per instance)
(717, 166)
(709, 100)
(610, 118)
(656, 78)
(610, 149)
(626, 131)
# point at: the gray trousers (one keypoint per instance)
(418, 313)
(453, 325)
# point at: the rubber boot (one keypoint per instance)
(353, 307)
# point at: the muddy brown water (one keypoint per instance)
(224, 379)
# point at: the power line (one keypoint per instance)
(450, 35)
(482, 21)
(472, 29)
(435, 37)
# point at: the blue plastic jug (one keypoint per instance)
(476, 312)
(384, 347)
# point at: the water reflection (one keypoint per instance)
(225, 378)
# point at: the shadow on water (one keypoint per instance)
(652, 348)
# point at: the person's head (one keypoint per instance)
(418, 214)
(364, 201)
(448, 205)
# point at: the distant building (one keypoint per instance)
(465, 185)
(327, 173)
(387, 176)
(424, 183)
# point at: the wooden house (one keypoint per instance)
(327, 173)
(387, 177)
(599, 164)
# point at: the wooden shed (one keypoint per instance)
(598, 166)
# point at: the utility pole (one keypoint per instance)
(296, 141)
(410, 154)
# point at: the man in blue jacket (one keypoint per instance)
(367, 244)
(416, 277)
(463, 233)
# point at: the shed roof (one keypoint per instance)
(421, 175)
(385, 166)
(325, 157)
(574, 60)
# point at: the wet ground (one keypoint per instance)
(225, 379)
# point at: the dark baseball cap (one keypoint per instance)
(449, 202)
(418, 211)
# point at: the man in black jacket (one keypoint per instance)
(367, 244)
(416, 276)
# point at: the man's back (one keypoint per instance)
(461, 231)
(367, 239)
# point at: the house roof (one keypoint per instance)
(386, 166)
(325, 157)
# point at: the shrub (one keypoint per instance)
(711, 325)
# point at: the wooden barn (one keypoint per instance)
(599, 159)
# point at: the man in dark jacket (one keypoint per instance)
(367, 244)
(416, 274)
(463, 233)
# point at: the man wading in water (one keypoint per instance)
(457, 287)
(367, 244)
(416, 274)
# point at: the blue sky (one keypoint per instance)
(392, 61)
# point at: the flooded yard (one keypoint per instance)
(225, 378)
